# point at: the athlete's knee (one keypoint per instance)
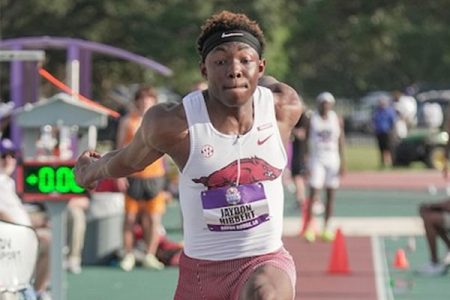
(267, 283)
(259, 291)
(268, 291)
(263, 293)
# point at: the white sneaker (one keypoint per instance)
(151, 262)
(446, 260)
(127, 263)
(74, 265)
(43, 296)
(432, 269)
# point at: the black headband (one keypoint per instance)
(230, 36)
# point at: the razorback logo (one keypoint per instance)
(253, 170)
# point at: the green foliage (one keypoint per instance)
(347, 47)
(361, 157)
(365, 157)
(351, 47)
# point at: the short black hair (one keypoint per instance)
(226, 21)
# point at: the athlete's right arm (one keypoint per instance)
(139, 153)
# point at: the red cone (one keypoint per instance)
(339, 258)
(400, 261)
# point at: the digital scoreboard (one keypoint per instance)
(49, 180)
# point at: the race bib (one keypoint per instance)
(235, 208)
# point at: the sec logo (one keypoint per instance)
(207, 151)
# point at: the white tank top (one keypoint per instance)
(324, 137)
(228, 213)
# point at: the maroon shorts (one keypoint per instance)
(223, 280)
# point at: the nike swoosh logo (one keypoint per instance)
(260, 142)
(225, 35)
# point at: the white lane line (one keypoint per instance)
(382, 278)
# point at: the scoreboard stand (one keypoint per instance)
(57, 212)
(52, 183)
(53, 132)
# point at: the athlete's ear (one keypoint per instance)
(261, 66)
(203, 70)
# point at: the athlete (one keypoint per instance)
(326, 160)
(436, 223)
(229, 143)
(299, 168)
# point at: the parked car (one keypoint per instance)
(425, 143)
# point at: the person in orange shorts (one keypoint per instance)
(144, 191)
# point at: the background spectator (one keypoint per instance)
(144, 194)
(12, 210)
(406, 107)
(299, 168)
(325, 160)
(432, 115)
(383, 121)
(76, 226)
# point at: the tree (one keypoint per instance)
(347, 47)
(352, 47)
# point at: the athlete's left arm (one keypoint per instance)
(288, 105)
